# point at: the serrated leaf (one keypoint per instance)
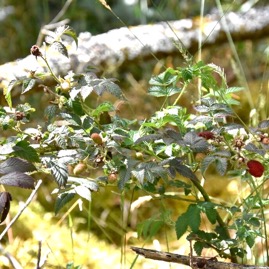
(179, 184)
(199, 246)
(23, 150)
(11, 85)
(90, 184)
(207, 161)
(263, 125)
(185, 171)
(221, 165)
(252, 148)
(50, 112)
(194, 217)
(124, 177)
(60, 173)
(63, 199)
(104, 107)
(108, 85)
(196, 143)
(211, 214)
(71, 32)
(160, 91)
(28, 85)
(18, 179)
(139, 175)
(234, 89)
(5, 198)
(72, 118)
(148, 138)
(181, 225)
(83, 192)
(76, 106)
(250, 239)
(254, 221)
(60, 47)
(16, 165)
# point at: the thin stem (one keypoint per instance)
(31, 197)
(181, 93)
(53, 75)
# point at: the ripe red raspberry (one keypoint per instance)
(206, 134)
(255, 168)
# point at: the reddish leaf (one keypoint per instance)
(18, 179)
(14, 164)
(5, 198)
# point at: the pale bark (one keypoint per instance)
(123, 46)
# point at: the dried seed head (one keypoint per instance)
(35, 51)
(207, 135)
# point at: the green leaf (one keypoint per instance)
(71, 32)
(234, 89)
(199, 246)
(160, 91)
(139, 175)
(149, 228)
(28, 85)
(58, 170)
(103, 85)
(194, 217)
(196, 143)
(250, 239)
(83, 192)
(207, 161)
(23, 150)
(60, 47)
(72, 118)
(125, 174)
(63, 199)
(51, 112)
(104, 107)
(254, 221)
(181, 225)
(211, 214)
(76, 106)
(179, 184)
(90, 184)
(221, 165)
(185, 171)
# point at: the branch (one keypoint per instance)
(21, 211)
(198, 262)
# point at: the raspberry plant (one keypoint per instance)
(172, 150)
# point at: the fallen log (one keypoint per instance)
(123, 46)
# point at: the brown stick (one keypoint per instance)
(197, 262)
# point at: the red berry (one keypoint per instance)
(255, 168)
(206, 134)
